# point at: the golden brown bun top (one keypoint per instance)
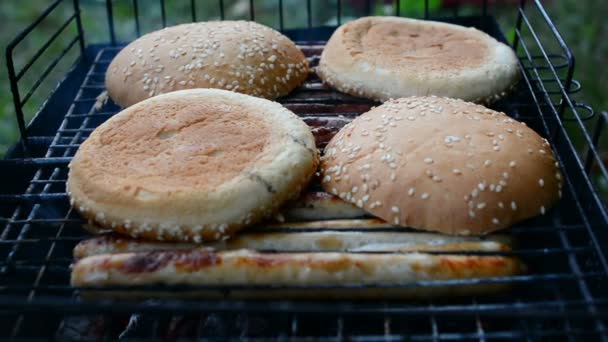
(191, 165)
(407, 44)
(442, 164)
(240, 56)
(184, 143)
(392, 57)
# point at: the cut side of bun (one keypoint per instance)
(391, 57)
(443, 165)
(193, 165)
(240, 56)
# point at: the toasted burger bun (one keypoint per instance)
(389, 57)
(192, 165)
(442, 164)
(241, 56)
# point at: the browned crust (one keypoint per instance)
(207, 267)
(462, 168)
(207, 55)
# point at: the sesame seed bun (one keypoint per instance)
(240, 56)
(192, 165)
(443, 165)
(390, 57)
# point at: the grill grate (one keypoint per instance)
(562, 295)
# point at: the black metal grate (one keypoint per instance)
(562, 296)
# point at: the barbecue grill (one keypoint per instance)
(563, 295)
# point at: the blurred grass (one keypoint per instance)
(582, 24)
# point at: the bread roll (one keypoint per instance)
(240, 56)
(192, 165)
(443, 165)
(390, 57)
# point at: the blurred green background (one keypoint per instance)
(582, 23)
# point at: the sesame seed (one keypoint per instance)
(481, 186)
(474, 193)
(365, 198)
(495, 221)
(396, 220)
(505, 175)
(542, 210)
(471, 213)
(488, 162)
(496, 148)
(558, 176)
(512, 163)
(481, 205)
(501, 205)
(411, 192)
(541, 151)
(354, 189)
(392, 165)
(395, 209)
(424, 195)
(393, 176)
(456, 171)
(541, 182)
(428, 160)
(498, 188)
(513, 205)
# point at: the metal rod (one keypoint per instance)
(599, 127)
(339, 11)
(12, 75)
(163, 13)
(45, 46)
(136, 15)
(110, 14)
(426, 9)
(221, 9)
(518, 22)
(48, 69)
(398, 8)
(79, 27)
(569, 54)
(281, 23)
(193, 10)
(16, 97)
(251, 10)
(309, 13)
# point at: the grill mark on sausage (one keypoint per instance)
(183, 260)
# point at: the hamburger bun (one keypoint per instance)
(443, 165)
(240, 56)
(193, 165)
(390, 57)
